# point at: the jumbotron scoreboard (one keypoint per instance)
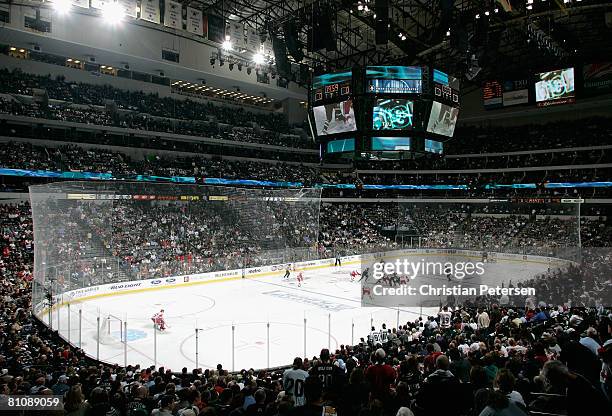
(383, 112)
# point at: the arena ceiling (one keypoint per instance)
(505, 37)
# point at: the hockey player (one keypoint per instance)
(287, 272)
(159, 321)
(354, 274)
(300, 279)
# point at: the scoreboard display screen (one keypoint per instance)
(335, 118)
(433, 146)
(396, 144)
(394, 79)
(393, 114)
(555, 87)
(442, 119)
(332, 86)
(341, 146)
(492, 94)
(445, 87)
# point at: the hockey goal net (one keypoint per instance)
(111, 330)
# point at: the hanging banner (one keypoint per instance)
(173, 15)
(130, 8)
(149, 10)
(267, 47)
(216, 28)
(98, 4)
(253, 40)
(195, 22)
(236, 32)
(84, 4)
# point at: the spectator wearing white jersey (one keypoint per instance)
(293, 382)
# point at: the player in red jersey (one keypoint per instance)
(159, 321)
(300, 279)
(354, 274)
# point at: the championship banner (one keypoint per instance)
(253, 40)
(195, 23)
(149, 10)
(173, 15)
(597, 78)
(130, 8)
(267, 47)
(84, 4)
(236, 32)
(98, 4)
(216, 28)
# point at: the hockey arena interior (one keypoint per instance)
(306, 207)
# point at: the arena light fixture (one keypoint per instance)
(113, 13)
(62, 6)
(227, 44)
(258, 58)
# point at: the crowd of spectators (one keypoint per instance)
(493, 360)
(18, 82)
(553, 135)
(24, 155)
(510, 227)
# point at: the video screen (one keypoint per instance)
(341, 146)
(443, 78)
(394, 79)
(555, 85)
(391, 143)
(433, 146)
(335, 118)
(442, 119)
(392, 114)
(394, 72)
(332, 85)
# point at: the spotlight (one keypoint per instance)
(448, 32)
(258, 58)
(496, 10)
(227, 44)
(62, 6)
(486, 13)
(113, 13)
(478, 16)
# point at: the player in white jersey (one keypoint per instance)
(293, 382)
(445, 318)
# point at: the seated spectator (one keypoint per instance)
(582, 396)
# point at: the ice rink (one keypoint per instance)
(243, 323)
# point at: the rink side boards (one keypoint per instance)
(137, 286)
